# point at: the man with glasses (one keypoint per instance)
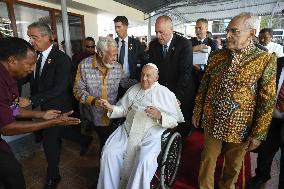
(51, 89)
(235, 101)
(89, 49)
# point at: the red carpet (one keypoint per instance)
(188, 173)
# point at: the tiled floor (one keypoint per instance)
(77, 172)
(82, 172)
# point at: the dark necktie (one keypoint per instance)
(280, 99)
(122, 53)
(165, 49)
(38, 65)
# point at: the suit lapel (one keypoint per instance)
(205, 41)
(47, 63)
(171, 48)
(130, 47)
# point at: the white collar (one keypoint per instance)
(47, 51)
(201, 39)
(152, 87)
(125, 39)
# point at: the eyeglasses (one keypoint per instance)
(233, 31)
(87, 46)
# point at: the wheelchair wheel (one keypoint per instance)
(171, 161)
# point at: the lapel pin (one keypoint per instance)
(130, 46)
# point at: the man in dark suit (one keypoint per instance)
(130, 51)
(202, 41)
(173, 56)
(51, 89)
(268, 148)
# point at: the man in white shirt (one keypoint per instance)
(265, 39)
(129, 158)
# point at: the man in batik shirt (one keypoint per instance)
(235, 101)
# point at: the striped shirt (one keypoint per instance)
(91, 82)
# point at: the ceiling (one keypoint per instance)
(186, 11)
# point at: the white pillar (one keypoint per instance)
(66, 32)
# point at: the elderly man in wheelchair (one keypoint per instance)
(129, 157)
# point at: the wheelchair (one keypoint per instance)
(168, 160)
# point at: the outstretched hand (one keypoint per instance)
(51, 114)
(64, 119)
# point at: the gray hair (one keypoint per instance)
(43, 28)
(104, 43)
(251, 20)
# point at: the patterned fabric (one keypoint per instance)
(236, 96)
(90, 82)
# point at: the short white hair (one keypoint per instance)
(104, 43)
(251, 20)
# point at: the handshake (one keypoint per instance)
(102, 103)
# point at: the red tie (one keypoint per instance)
(280, 99)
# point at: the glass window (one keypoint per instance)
(75, 28)
(27, 15)
(5, 23)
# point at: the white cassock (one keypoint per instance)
(129, 157)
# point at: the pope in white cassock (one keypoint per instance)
(129, 157)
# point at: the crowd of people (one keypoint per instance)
(130, 94)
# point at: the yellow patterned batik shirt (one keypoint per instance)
(237, 94)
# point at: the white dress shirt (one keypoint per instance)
(275, 48)
(125, 65)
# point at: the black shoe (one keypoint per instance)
(85, 146)
(255, 183)
(51, 183)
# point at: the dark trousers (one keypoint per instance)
(52, 144)
(103, 133)
(268, 150)
(11, 175)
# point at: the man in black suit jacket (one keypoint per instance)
(131, 57)
(173, 56)
(269, 148)
(51, 89)
(202, 41)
